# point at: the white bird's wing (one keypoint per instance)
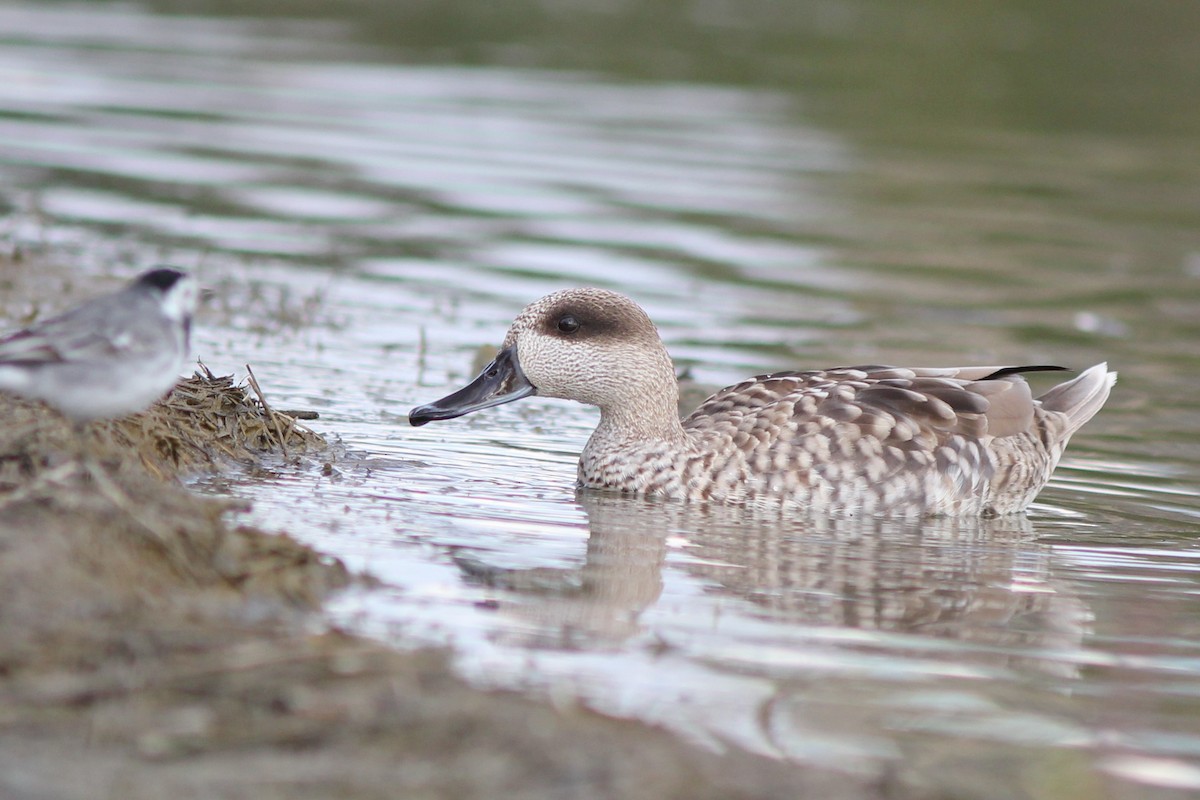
(89, 332)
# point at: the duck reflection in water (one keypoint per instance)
(978, 581)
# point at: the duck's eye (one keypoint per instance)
(568, 324)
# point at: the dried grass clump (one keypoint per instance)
(206, 423)
(208, 420)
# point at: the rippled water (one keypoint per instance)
(369, 221)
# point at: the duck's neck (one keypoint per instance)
(649, 413)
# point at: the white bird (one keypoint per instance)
(111, 356)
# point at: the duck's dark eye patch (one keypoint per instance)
(578, 322)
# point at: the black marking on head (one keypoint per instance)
(162, 278)
(584, 318)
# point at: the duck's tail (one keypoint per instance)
(1079, 399)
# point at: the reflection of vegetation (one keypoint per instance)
(267, 308)
(1085, 65)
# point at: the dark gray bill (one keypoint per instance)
(500, 382)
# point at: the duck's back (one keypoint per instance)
(901, 441)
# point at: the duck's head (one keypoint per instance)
(591, 345)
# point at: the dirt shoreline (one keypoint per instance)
(150, 649)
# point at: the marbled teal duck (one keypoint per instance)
(898, 441)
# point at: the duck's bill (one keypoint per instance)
(500, 382)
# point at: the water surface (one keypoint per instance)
(371, 212)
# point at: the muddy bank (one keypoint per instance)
(151, 648)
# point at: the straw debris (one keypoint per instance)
(206, 423)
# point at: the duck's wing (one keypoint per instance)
(898, 406)
(955, 440)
